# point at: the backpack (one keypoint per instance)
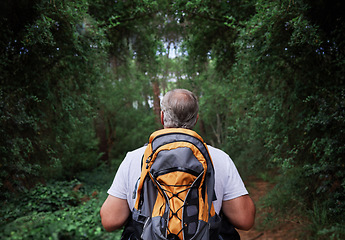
(176, 189)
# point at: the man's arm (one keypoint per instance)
(114, 213)
(240, 212)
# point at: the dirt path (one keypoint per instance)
(257, 189)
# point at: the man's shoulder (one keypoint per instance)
(140, 149)
(221, 160)
(216, 151)
(136, 152)
(133, 157)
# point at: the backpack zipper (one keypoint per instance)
(148, 160)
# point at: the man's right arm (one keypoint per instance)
(240, 211)
(114, 213)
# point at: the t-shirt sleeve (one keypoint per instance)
(234, 186)
(119, 187)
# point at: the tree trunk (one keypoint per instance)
(156, 101)
(105, 140)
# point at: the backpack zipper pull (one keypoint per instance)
(148, 160)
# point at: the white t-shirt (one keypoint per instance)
(228, 183)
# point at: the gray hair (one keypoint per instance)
(180, 109)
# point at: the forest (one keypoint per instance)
(81, 83)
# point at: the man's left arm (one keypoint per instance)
(240, 211)
(114, 213)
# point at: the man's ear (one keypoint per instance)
(162, 118)
(197, 118)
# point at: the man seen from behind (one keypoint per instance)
(180, 110)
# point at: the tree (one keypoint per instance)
(278, 69)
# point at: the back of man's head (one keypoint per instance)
(180, 109)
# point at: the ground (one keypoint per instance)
(286, 231)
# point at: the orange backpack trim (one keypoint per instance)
(173, 192)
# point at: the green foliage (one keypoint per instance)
(273, 76)
(49, 68)
(59, 210)
(299, 108)
(56, 79)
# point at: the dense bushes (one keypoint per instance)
(48, 73)
(59, 209)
